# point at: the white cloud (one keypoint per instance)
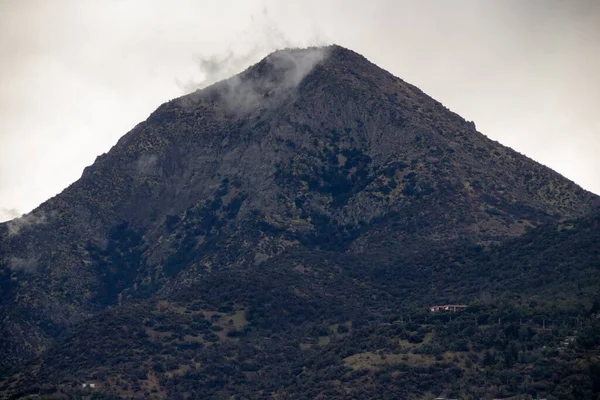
(7, 214)
(15, 226)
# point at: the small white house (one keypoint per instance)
(448, 307)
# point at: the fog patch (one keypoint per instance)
(256, 47)
(296, 64)
(146, 164)
(275, 76)
(17, 225)
(7, 214)
(265, 83)
(28, 264)
(250, 46)
(217, 67)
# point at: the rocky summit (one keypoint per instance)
(284, 234)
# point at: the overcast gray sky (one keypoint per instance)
(75, 75)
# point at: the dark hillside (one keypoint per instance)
(329, 324)
(313, 189)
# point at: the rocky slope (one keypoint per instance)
(308, 150)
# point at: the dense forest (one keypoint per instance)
(339, 326)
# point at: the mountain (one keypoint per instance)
(312, 193)
(333, 327)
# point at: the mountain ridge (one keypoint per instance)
(314, 150)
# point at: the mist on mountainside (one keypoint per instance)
(312, 227)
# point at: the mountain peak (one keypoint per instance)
(308, 150)
(278, 75)
(303, 60)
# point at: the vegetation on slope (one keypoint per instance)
(317, 323)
